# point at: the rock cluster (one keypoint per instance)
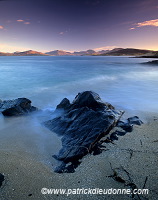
(81, 125)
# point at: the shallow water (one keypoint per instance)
(47, 80)
(26, 136)
(124, 82)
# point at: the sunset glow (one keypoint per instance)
(78, 25)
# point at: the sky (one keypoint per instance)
(74, 25)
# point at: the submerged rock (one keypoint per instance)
(84, 122)
(153, 62)
(1, 179)
(16, 107)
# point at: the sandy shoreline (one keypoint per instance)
(136, 152)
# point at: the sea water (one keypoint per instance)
(124, 82)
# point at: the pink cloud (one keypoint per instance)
(131, 28)
(61, 33)
(1, 27)
(23, 21)
(20, 20)
(26, 22)
(148, 23)
(153, 22)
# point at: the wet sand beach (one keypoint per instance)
(135, 153)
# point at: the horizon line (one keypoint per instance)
(69, 51)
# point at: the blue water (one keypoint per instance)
(122, 81)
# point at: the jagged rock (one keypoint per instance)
(64, 104)
(82, 124)
(134, 120)
(16, 107)
(89, 99)
(1, 179)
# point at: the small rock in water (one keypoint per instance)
(1, 179)
(16, 107)
(153, 62)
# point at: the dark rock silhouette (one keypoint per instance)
(84, 122)
(16, 107)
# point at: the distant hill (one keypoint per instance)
(127, 52)
(58, 53)
(84, 53)
(24, 53)
(65, 53)
(114, 52)
(5, 54)
(29, 53)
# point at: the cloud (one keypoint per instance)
(23, 21)
(153, 23)
(1, 27)
(20, 20)
(148, 23)
(61, 33)
(131, 28)
(26, 22)
(104, 48)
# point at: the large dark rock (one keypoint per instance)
(1, 179)
(16, 107)
(82, 124)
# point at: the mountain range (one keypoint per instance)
(113, 52)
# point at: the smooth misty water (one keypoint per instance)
(122, 81)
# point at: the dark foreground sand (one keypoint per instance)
(136, 152)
